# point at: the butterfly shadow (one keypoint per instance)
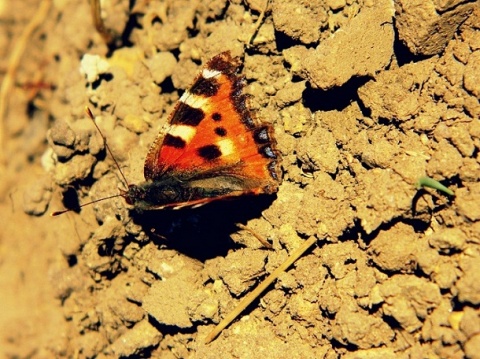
(203, 232)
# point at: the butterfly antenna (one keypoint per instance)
(57, 213)
(92, 117)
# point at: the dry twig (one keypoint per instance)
(13, 65)
(249, 298)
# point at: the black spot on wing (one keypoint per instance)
(216, 116)
(209, 152)
(220, 131)
(205, 87)
(174, 141)
(187, 115)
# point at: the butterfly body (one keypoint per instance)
(213, 149)
(171, 192)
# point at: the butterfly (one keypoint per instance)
(214, 147)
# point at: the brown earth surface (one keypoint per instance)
(365, 98)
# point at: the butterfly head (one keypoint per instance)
(132, 194)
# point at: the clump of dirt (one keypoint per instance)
(365, 99)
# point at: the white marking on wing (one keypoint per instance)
(226, 147)
(195, 101)
(185, 132)
(208, 73)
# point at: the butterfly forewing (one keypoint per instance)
(213, 140)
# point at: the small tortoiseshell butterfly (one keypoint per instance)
(214, 148)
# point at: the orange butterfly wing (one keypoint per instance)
(212, 136)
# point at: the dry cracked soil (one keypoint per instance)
(365, 97)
